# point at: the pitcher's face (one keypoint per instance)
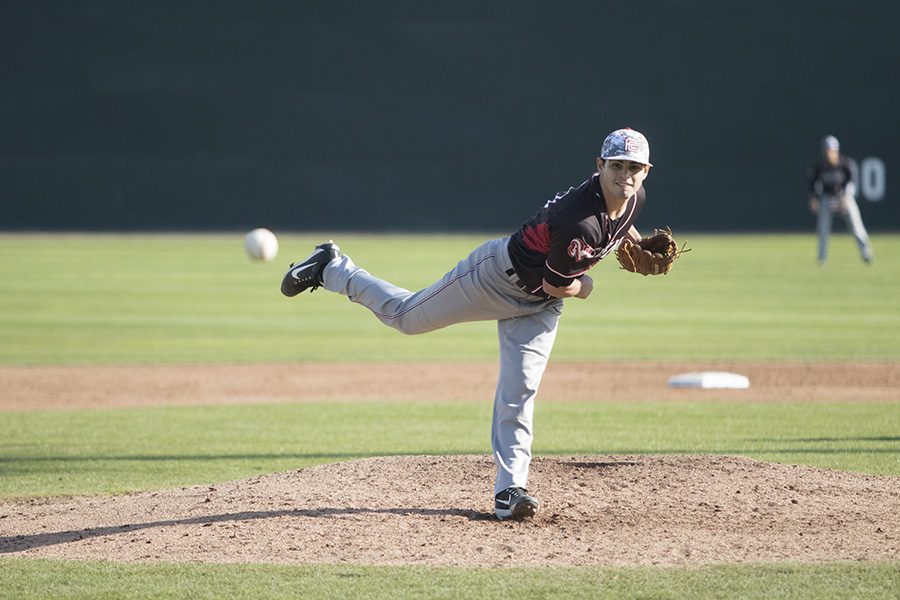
(621, 179)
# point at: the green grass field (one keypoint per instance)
(174, 299)
(140, 299)
(75, 452)
(92, 580)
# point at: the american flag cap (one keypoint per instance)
(626, 144)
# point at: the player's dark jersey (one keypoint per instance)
(569, 235)
(830, 180)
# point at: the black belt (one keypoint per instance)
(521, 284)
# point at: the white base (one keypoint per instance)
(710, 380)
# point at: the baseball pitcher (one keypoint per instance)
(519, 281)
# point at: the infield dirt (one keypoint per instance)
(82, 387)
(436, 510)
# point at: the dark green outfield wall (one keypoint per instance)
(432, 116)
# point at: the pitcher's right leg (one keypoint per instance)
(469, 292)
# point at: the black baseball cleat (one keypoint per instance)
(308, 274)
(515, 503)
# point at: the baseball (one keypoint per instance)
(261, 244)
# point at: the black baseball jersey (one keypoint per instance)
(569, 235)
(830, 180)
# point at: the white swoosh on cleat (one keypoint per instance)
(296, 272)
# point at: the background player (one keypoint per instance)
(520, 281)
(832, 190)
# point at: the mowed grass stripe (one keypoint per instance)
(119, 299)
(27, 579)
(73, 452)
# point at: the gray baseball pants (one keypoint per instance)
(847, 207)
(477, 289)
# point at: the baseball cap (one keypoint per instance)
(829, 142)
(626, 144)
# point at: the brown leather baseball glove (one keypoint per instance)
(653, 255)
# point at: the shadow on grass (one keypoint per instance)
(877, 438)
(746, 451)
(21, 543)
(338, 456)
(326, 457)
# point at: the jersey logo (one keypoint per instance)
(580, 250)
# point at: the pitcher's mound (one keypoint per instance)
(600, 510)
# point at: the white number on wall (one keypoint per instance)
(872, 179)
(870, 176)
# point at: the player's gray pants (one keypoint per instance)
(477, 289)
(847, 207)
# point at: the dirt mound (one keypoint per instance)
(437, 510)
